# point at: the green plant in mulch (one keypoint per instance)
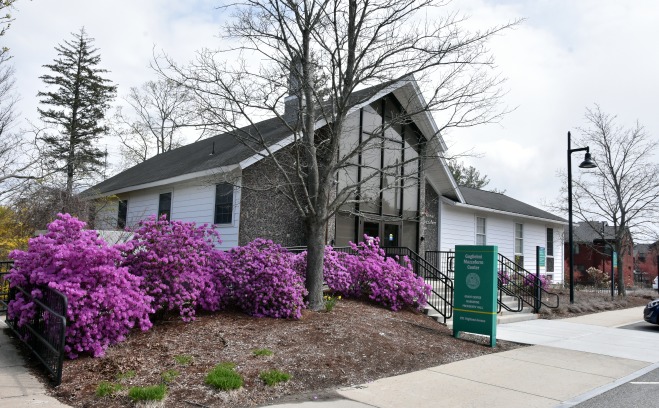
(169, 376)
(274, 377)
(330, 302)
(126, 375)
(224, 377)
(262, 352)
(106, 388)
(183, 359)
(148, 393)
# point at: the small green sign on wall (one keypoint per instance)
(475, 307)
(542, 255)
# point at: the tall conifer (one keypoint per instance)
(75, 105)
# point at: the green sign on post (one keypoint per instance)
(475, 301)
(615, 260)
(541, 256)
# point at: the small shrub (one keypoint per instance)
(183, 359)
(262, 352)
(274, 377)
(126, 375)
(224, 377)
(149, 393)
(330, 302)
(263, 282)
(105, 301)
(106, 388)
(169, 376)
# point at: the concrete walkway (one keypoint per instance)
(19, 388)
(570, 361)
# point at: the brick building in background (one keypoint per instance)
(593, 243)
(645, 261)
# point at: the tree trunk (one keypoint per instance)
(315, 258)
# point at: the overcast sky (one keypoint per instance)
(567, 55)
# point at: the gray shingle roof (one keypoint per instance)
(193, 157)
(501, 202)
(589, 232)
(197, 156)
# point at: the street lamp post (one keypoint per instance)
(586, 164)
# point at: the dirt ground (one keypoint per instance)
(355, 343)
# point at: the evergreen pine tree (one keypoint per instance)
(76, 107)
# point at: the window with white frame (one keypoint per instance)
(519, 244)
(223, 203)
(122, 214)
(549, 265)
(480, 231)
(165, 205)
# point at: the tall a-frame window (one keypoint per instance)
(379, 151)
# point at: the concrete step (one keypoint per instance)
(502, 318)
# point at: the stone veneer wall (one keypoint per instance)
(431, 221)
(265, 213)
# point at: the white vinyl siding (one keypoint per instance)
(458, 226)
(191, 202)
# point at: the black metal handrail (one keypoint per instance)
(5, 267)
(516, 281)
(441, 284)
(44, 334)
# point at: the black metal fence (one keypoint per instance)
(5, 267)
(44, 332)
(516, 281)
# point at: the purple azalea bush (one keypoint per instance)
(335, 274)
(504, 277)
(383, 280)
(104, 300)
(263, 281)
(529, 280)
(174, 260)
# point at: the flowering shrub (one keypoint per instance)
(335, 274)
(529, 280)
(263, 281)
(504, 277)
(104, 300)
(174, 260)
(383, 280)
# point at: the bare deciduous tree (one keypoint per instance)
(624, 188)
(313, 56)
(160, 110)
(19, 158)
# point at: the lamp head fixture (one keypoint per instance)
(588, 162)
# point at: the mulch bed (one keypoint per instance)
(355, 343)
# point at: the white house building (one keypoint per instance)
(217, 180)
